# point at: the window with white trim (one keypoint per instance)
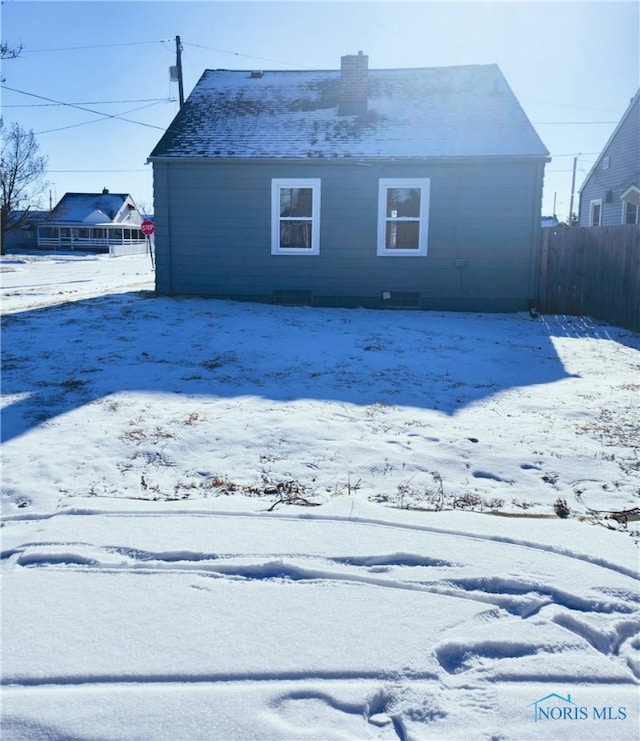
(631, 212)
(295, 216)
(403, 216)
(631, 205)
(595, 213)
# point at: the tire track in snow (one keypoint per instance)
(507, 599)
(348, 519)
(16, 683)
(515, 597)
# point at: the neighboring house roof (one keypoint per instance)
(466, 111)
(29, 215)
(93, 208)
(635, 102)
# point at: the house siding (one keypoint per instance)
(608, 184)
(26, 235)
(213, 233)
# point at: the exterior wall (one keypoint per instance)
(213, 234)
(609, 180)
(22, 238)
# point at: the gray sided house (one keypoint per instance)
(353, 187)
(108, 222)
(610, 194)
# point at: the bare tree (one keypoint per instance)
(22, 171)
(9, 52)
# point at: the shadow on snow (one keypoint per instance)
(62, 357)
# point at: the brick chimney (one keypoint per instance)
(353, 84)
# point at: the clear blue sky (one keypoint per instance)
(574, 66)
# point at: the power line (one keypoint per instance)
(81, 108)
(98, 113)
(248, 56)
(93, 46)
(90, 102)
(568, 105)
(95, 120)
(160, 41)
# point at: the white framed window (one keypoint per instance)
(605, 163)
(403, 216)
(631, 213)
(295, 216)
(595, 213)
(631, 205)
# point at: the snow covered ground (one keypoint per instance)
(235, 521)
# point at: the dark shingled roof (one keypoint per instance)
(467, 111)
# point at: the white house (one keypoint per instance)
(94, 221)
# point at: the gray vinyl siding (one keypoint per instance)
(608, 184)
(213, 234)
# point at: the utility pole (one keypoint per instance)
(573, 187)
(179, 69)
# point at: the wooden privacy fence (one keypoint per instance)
(592, 271)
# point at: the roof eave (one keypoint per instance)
(350, 159)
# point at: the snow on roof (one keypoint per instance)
(424, 112)
(77, 207)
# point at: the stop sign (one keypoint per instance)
(147, 227)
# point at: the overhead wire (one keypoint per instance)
(90, 102)
(568, 105)
(93, 46)
(96, 120)
(82, 108)
(248, 56)
(120, 117)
